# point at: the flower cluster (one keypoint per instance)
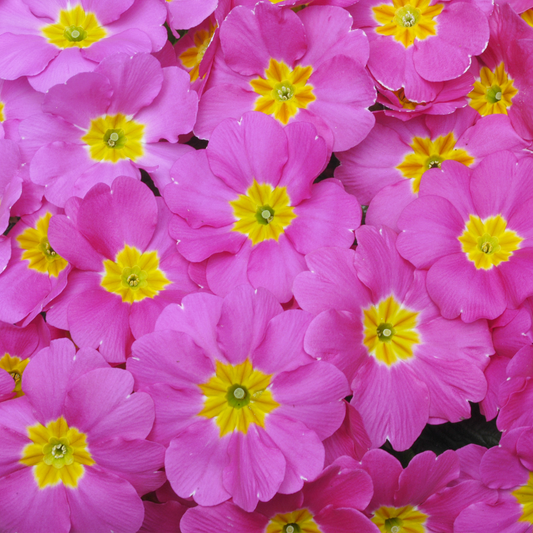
(249, 251)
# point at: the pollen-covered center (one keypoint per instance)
(493, 92)
(283, 91)
(407, 20)
(488, 242)
(389, 331)
(57, 453)
(75, 27)
(524, 496)
(263, 212)
(114, 137)
(406, 519)
(300, 521)
(37, 250)
(237, 396)
(15, 367)
(192, 57)
(133, 275)
(428, 154)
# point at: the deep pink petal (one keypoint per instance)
(225, 272)
(131, 41)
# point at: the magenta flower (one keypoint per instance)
(108, 123)
(240, 405)
(247, 204)
(330, 504)
(473, 231)
(75, 456)
(306, 67)
(415, 43)
(52, 41)
(126, 271)
(375, 321)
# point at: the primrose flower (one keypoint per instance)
(108, 123)
(386, 169)
(375, 321)
(330, 504)
(75, 456)
(306, 67)
(241, 407)
(247, 204)
(52, 41)
(415, 43)
(127, 268)
(472, 230)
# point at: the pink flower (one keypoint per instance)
(50, 42)
(473, 231)
(74, 450)
(375, 321)
(126, 271)
(302, 69)
(247, 204)
(240, 405)
(108, 123)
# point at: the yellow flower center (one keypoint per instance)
(524, 496)
(114, 137)
(283, 91)
(404, 102)
(430, 154)
(488, 242)
(300, 521)
(134, 276)
(406, 519)
(493, 93)
(407, 20)
(193, 56)
(528, 16)
(2, 117)
(42, 257)
(57, 453)
(75, 27)
(15, 366)
(390, 331)
(263, 212)
(237, 396)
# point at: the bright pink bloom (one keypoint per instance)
(414, 44)
(473, 231)
(240, 405)
(127, 268)
(51, 41)
(108, 123)
(247, 204)
(306, 67)
(74, 454)
(184, 14)
(387, 168)
(330, 504)
(375, 321)
(420, 497)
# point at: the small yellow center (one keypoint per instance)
(406, 519)
(263, 212)
(74, 28)
(282, 91)
(237, 396)
(528, 16)
(407, 20)
(2, 117)
(114, 137)
(192, 57)
(488, 242)
(430, 154)
(493, 92)
(390, 331)
(133, 275)
(57, 453)
(524, 496)
(300, 521)
(404, 102)
(37, 250)
(15, 366)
